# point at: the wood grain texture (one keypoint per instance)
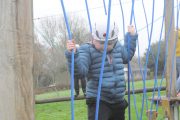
(16, 51)
(171, 60)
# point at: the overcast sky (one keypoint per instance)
(45, 8)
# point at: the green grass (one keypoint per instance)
(62, 110)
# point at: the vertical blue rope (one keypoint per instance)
(128, 37)
(103, 62)
(145, 67)
(129, 98)
(130, 64)
(137, 116)
(148, 39)
(132, 12)
(122, 17)
(89, 19)
(156, 67)
(72, 62)
(104, 3)
(157, 58)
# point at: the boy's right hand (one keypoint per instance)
(71, 45)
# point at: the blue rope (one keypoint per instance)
(157, 59)
(104, 3)
(130, 64)
(128, 37)
(145, 15)
(165, 57)
(145, 67)
(150, 47)
(132, 76)
(139, 63)
(122, 17)
(89, 19)
(103, 62)
(134, 97)
(159, 88)
(159, 18)
(156, 66)
(132, 12)
(129, 98)
(166, 49)
(137, 116)
(72, 62)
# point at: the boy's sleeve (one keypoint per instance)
(68, 57)
(81, 60)
(132, 47)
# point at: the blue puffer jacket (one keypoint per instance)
(88, 62)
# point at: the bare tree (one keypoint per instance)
(54, 32)
(39, 59)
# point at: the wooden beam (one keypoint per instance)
(171, 60)
(82, 97)
(170, 36)
(152, 114)
(16, 51)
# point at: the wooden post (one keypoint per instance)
(170, 57)
(16, 60)
(152, 115)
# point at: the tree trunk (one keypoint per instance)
(16, 60)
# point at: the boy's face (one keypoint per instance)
(99, 45)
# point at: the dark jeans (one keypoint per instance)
(76, 84)
(107, 111)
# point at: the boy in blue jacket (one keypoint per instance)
(88, 59)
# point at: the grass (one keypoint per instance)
(62, 110)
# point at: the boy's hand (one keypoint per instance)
(70, 45)
(131, 30)
(178, 94)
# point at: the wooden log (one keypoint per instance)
(82, 97)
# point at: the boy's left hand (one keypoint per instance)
(131, 30)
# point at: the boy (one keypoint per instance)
(88, 62)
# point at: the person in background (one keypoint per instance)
(78, 78)
(178, 86)
(178, 64)
(88, 58)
